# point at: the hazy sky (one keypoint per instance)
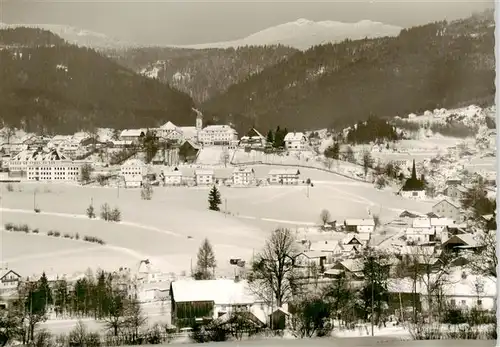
(203, 21)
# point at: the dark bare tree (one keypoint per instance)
(325, 216)
(273, 276)
(115, 319)
(135, 318)
(367, 162)
(485, 262)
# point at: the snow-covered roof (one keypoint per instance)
(221, 291)
(419, 231)
(204, 172)
(353, 265)
(133, 132)
(284, 172)
(219, 128)
(452, 203)
(299, 136)
(360, 222)
(169, 126)
(172, 173)
(243, 169)
(188, 132)
(315, 254)
(324, 246)
(441, 222)
(421, 223)
(133, 162)
(39, 156)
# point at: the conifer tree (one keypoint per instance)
(214, 199)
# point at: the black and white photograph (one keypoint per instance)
(248, 173)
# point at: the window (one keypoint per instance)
(462, 302)
(453, 302)
(479, 302)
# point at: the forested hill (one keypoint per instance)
(432, 66)
(201, 73)
(48, 85)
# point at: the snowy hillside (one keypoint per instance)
(303, 34)
(471, 116)
(79, 37)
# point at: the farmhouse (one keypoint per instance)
(218, 135)
(133, 135)
(448, 209)
(366, 225)
(351, 268)
(243, 176)
(284, 176)
(413, 188)
(196, 301)
(295, 141)
(188, 151)
(204, 177)
(308, 259)
(9, 280)
(133, 172)
(460, 242)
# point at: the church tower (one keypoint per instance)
(199, 121)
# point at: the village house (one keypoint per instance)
(308, 260)
(156, 291)
(295, 141)
(134, 135)
(449, 209)
(352, 269)
(206, 300)
(243, 176)
(171, 178)
(361, 226)
(188, 151)
(204, 177)
(169, 132)
(253, 139)
(454, 191)
(9, 280)
(133, 172)
(460, 242)
(218, 135)
(284, 176)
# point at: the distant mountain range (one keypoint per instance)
(76, 36)
(303, 34)
(300, 34)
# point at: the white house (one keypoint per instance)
(204, 177)
(133, 172)
(172, 178)
(53, 166)
(156, 291)
(219, 135)
(133, 135)
(295, 141)
(366, 225)
(253, 139)
(218, 297)
(284, 176)
(461, 289)
(169, 131)
(243, 176)
(449, 209)
(9, 280)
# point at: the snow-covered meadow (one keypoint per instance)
(169, 228)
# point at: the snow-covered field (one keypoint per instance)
(169, 228)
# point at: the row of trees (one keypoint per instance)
(104, 297)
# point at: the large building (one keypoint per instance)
(219, 135)
(42, 165)
(133, 172)
(295, 141)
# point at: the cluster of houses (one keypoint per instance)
(135, 173)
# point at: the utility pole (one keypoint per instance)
(225, 207)
(371, 268)
(34, 200)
